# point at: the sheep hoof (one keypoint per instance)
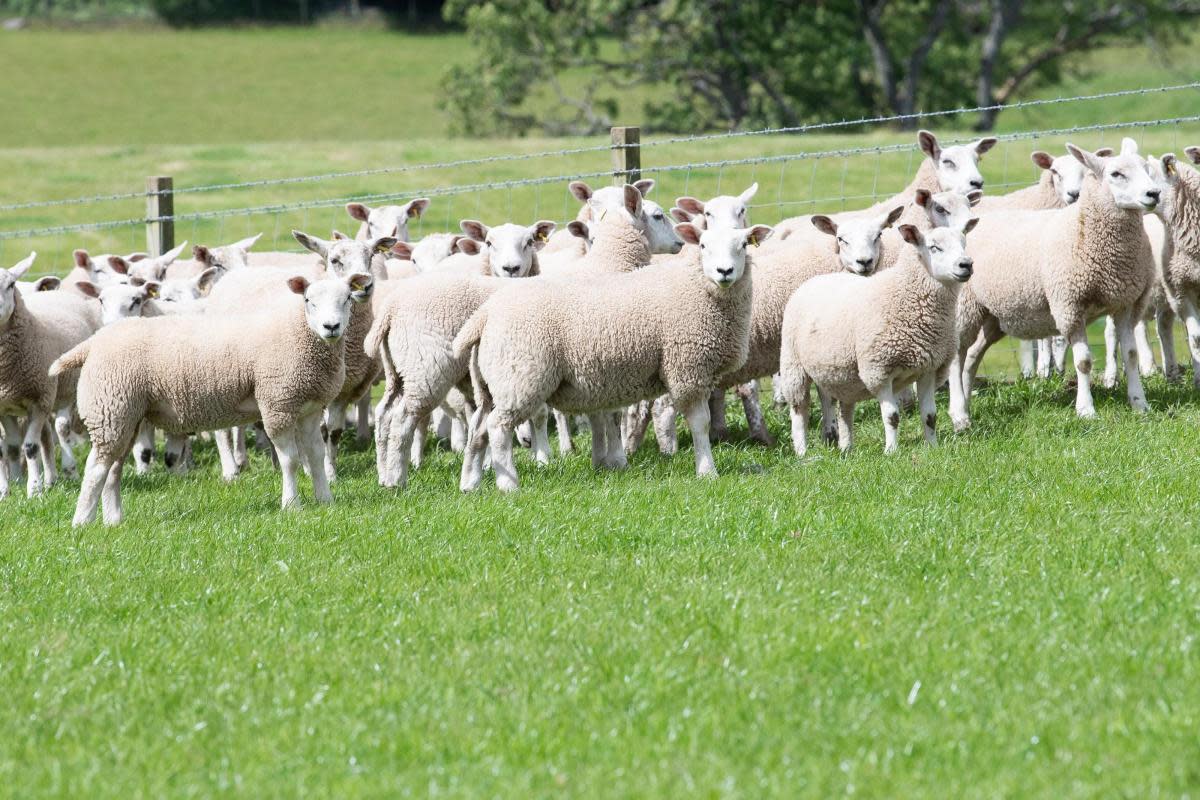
(1109, 383)
(1086, 413)
(506, 485)
(960, 423)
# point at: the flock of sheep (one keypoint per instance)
(624, 318)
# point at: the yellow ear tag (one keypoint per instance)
(603, 213)
(152, 294)
(754, 240)
(542, 237)
(1170, 168)
(382, 248)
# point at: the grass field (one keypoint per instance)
(1011, 614)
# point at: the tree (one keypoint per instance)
(564, 66)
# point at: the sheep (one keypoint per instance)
(185, 374)
(434, 249)
(413, 332)
(47, 283)
(98, 270)
(153, 268)
(945, 169)
(225, 258)
(723, 211)
(386, 220)
(35, 330)
(590, 345)
(596, 203)
(1040, 273)
(859, 338)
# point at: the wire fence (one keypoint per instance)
(799, 169)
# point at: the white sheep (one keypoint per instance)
(196, 373)
(388, 220)
(859, 338)
(596, 204)
(590, 345)
(1039, 273)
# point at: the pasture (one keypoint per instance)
(1012, 613)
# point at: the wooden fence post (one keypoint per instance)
(160, 202)
(627, 154)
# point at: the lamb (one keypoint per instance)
(1040, 273)
(595, 205)
(98, 270)
(35, 330)
(185, 374)
(412, 337)
(47, 283)
(945, 169)
(225, 258)
(386, 220)
(153, 268)
(434, 249)
(860, 338)
(590, 345)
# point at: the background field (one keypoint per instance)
(1010, 614)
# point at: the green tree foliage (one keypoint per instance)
(561, 66)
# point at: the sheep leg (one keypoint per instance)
(1112, 352)
(175, 454)
(364, 418)
(829, 425)
(777, 393)
(1145, 351)
(439, 420)
(473, 453)
(845, 426)
(663, 413)
(1026, 358)
(383, 424)
(1165, 323)
(49, 468)
(697, 415)
(1045, 358)
(889, 409)
(95, 472)
(754, 414)
(1191, 323)
(1133, 374)
(335, 421)
(458, 435)
(599, 444)
(716, 412)
(960, 413)
(989, 334)
(637, 421)
(800, 411)
(525, 435)
(224, 440)
(309, 432)
(562, 425)
(288, 448)
(1058, 346)
(405, 425)
(143, 448)
(540, 425)
(420, 435)
(111, 502)
(503, 465)
(615, 452)
(3, 477)
(64, 434)
(1082, 353)
(240, 456)
(33, 447)
(12, 448)
(926, 388)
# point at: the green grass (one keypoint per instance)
(644, 634)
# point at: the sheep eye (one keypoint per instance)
(879, 236)
(658, 216)
(1118, 175)
(841, 240)
(948, 163)
(933, 248)
(702, 247)
(489, 244)
(939, 210)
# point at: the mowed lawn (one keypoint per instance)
(1013, 613)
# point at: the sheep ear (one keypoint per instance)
(748, 195)
(22, 266)
(133, 258)
(404, 250)
(87, 289)
(691, 205)
(645, 186)
(1093, 162)
(82, 259)
(152, 289)
(911, 235)
(415, 208)
(358, 211)
(541, 231)
(338, 236)
(361, 285)
(474, 229)
(973, 197)
(468, 246)
(633, 200)
(758, 234)
(169, 257)
(248, 242)
(118, 265)
(679, 215)
(688, 232)
(580, 190)
(929, 144)
(922, 197)
(578, 229)
(1042, 159)
(383, 244)
(205, 280)
(1104, 152)
(824, 224)
(893, 216)
(970, 225)
(1169, 168)
(48, 283)
(983, 145)
(1129, 147)
(318, 246)
(202, 254)
(136, 281)
(1193, 153)
(298, 284)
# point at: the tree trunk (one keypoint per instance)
(1004, 14)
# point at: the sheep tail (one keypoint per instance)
(471, 333)
(72, 359)
(483, 395)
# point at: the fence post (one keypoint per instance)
(160, 202)
(627, 154)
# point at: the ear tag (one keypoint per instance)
(152, 293)
(542, 237)
(754, 240)
(603, 214)
(381, 249)
(1170, 168)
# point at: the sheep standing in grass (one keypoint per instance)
(1040, 273)
(592, 345)
(596, 204)
(860, 338)
(282, 365)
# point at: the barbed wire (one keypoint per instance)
(447, 191)
(875, 120)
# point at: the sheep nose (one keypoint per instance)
(1073, 195)
(1154, 194)
(512, 270)
(866, 262)
(332, 328)
(977, 183)
(725, 273)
